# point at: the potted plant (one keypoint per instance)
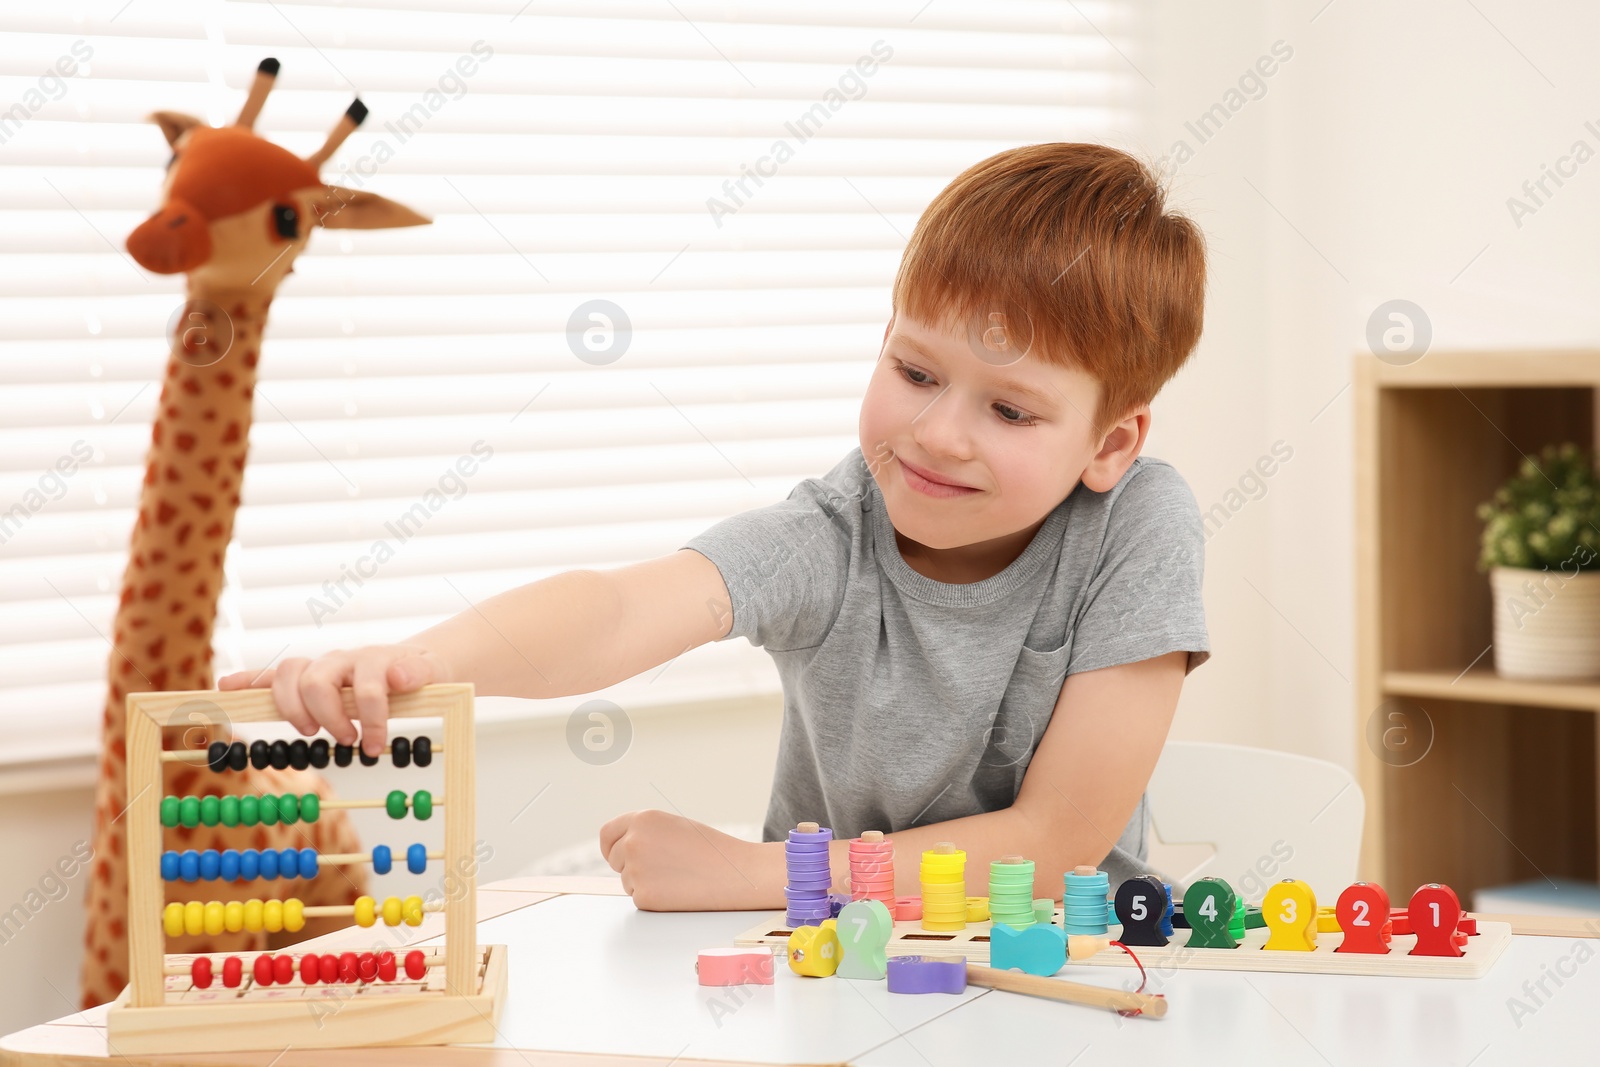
(1541, 547)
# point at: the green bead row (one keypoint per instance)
(267, 809)
(421, 804)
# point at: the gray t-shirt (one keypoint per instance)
(910, 701)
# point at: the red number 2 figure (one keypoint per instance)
(1363, 914)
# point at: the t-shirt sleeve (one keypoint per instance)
(1144, 599)
(785, 565)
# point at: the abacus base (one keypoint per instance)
(300, 1016)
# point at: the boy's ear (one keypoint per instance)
(1118, 449)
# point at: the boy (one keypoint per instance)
(982, 618)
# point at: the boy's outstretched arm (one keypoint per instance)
(1080, 789)
(571, 633)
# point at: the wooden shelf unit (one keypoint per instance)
(1507, 790)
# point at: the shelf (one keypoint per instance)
(1469, 370)
(1484, 686)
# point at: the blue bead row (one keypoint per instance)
(383, 859)
(232, 864)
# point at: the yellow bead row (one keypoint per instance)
(395, 911)
(215, 917)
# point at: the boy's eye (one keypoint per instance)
(1012, 415)
(913, 375)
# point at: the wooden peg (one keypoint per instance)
(872, 835)
(1082, 946)
(944, 848)
(808, 827)
(1085, 870)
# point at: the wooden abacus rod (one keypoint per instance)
(375, 802)
(360, 857)
(431, 959)
(1072, 992)
(200, 755)
(317, 911)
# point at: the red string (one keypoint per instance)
(1143, 978)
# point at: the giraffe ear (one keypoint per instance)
(174, 124)
(347, 209)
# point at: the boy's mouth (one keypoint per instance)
(931, 483)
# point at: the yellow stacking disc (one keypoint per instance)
(214, 912)
(252, 914)
(172, 919)
(294, 914)
(413, 911)
(272, 915)
(233, 916)
(366, 911)
(194, 917)
(977, 909)
(391, 911)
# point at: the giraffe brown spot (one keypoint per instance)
(210, 466)
(151, 590)
(116, 846)
(175, 607)
(173, 475)
(150, 474)
(114, 928)
(216, 559)
(225, 483)
(172, 411)
(260, 838)
(225, 379)
(204, 500)
(158, 679)
(191, 386)
(249, 392)
(183, 532)
(236, 500)
(185, 442)
(123, 667)
(196, 627)
(187, 665)
(164, 513)
(250, 358)
(127, 598)
(201, 589)
(186, 566)
(155, 432)
(115, 979)
(158, 555)
(231, 434)
(209, 415)
(136, 624)
(154, 648)
(238, 463)
(239, 312)
(215, 530)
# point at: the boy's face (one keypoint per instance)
(969, 441)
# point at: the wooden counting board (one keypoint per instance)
(1479, 955)
(453, 994)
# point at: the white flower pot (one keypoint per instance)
(1546, 623)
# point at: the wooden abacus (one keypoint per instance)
(263, 1010)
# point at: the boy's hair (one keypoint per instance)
(1072, 244)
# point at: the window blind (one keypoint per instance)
(733, 182)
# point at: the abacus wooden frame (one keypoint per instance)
(143, 1021)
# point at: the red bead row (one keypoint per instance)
(279, 970)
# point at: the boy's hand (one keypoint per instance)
(307, 691)
(670, 863)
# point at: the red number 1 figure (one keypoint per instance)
(1435, 910)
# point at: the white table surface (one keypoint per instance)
(593, 981)
(593, 974)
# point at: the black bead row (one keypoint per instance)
(301, 754)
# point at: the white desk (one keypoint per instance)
(591, 975)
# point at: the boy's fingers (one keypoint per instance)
(369, 680)
(610, 834)
(286, 694)
(319, 689)
(410, 673)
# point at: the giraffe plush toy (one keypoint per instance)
(237, 209)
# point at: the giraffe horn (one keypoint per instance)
(353, 116)
(266, 75)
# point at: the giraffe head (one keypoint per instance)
(237, 209)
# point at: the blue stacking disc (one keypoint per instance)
(382, 862)
(230, 865)
(269, 863)
(289, 863)
(1165, 926)
(169, 866)
(308, 863)
(249, 865)
(417, 859)
(189, 865)
(210, 864)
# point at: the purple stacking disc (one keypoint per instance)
(927, 974)
(798, 838)
(810, 885)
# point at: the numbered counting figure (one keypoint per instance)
(814, 950)
(1435, 910)
(1290, 909)
(1208, 906)
(864, 930)
(1363, 912)
(1140, 903)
